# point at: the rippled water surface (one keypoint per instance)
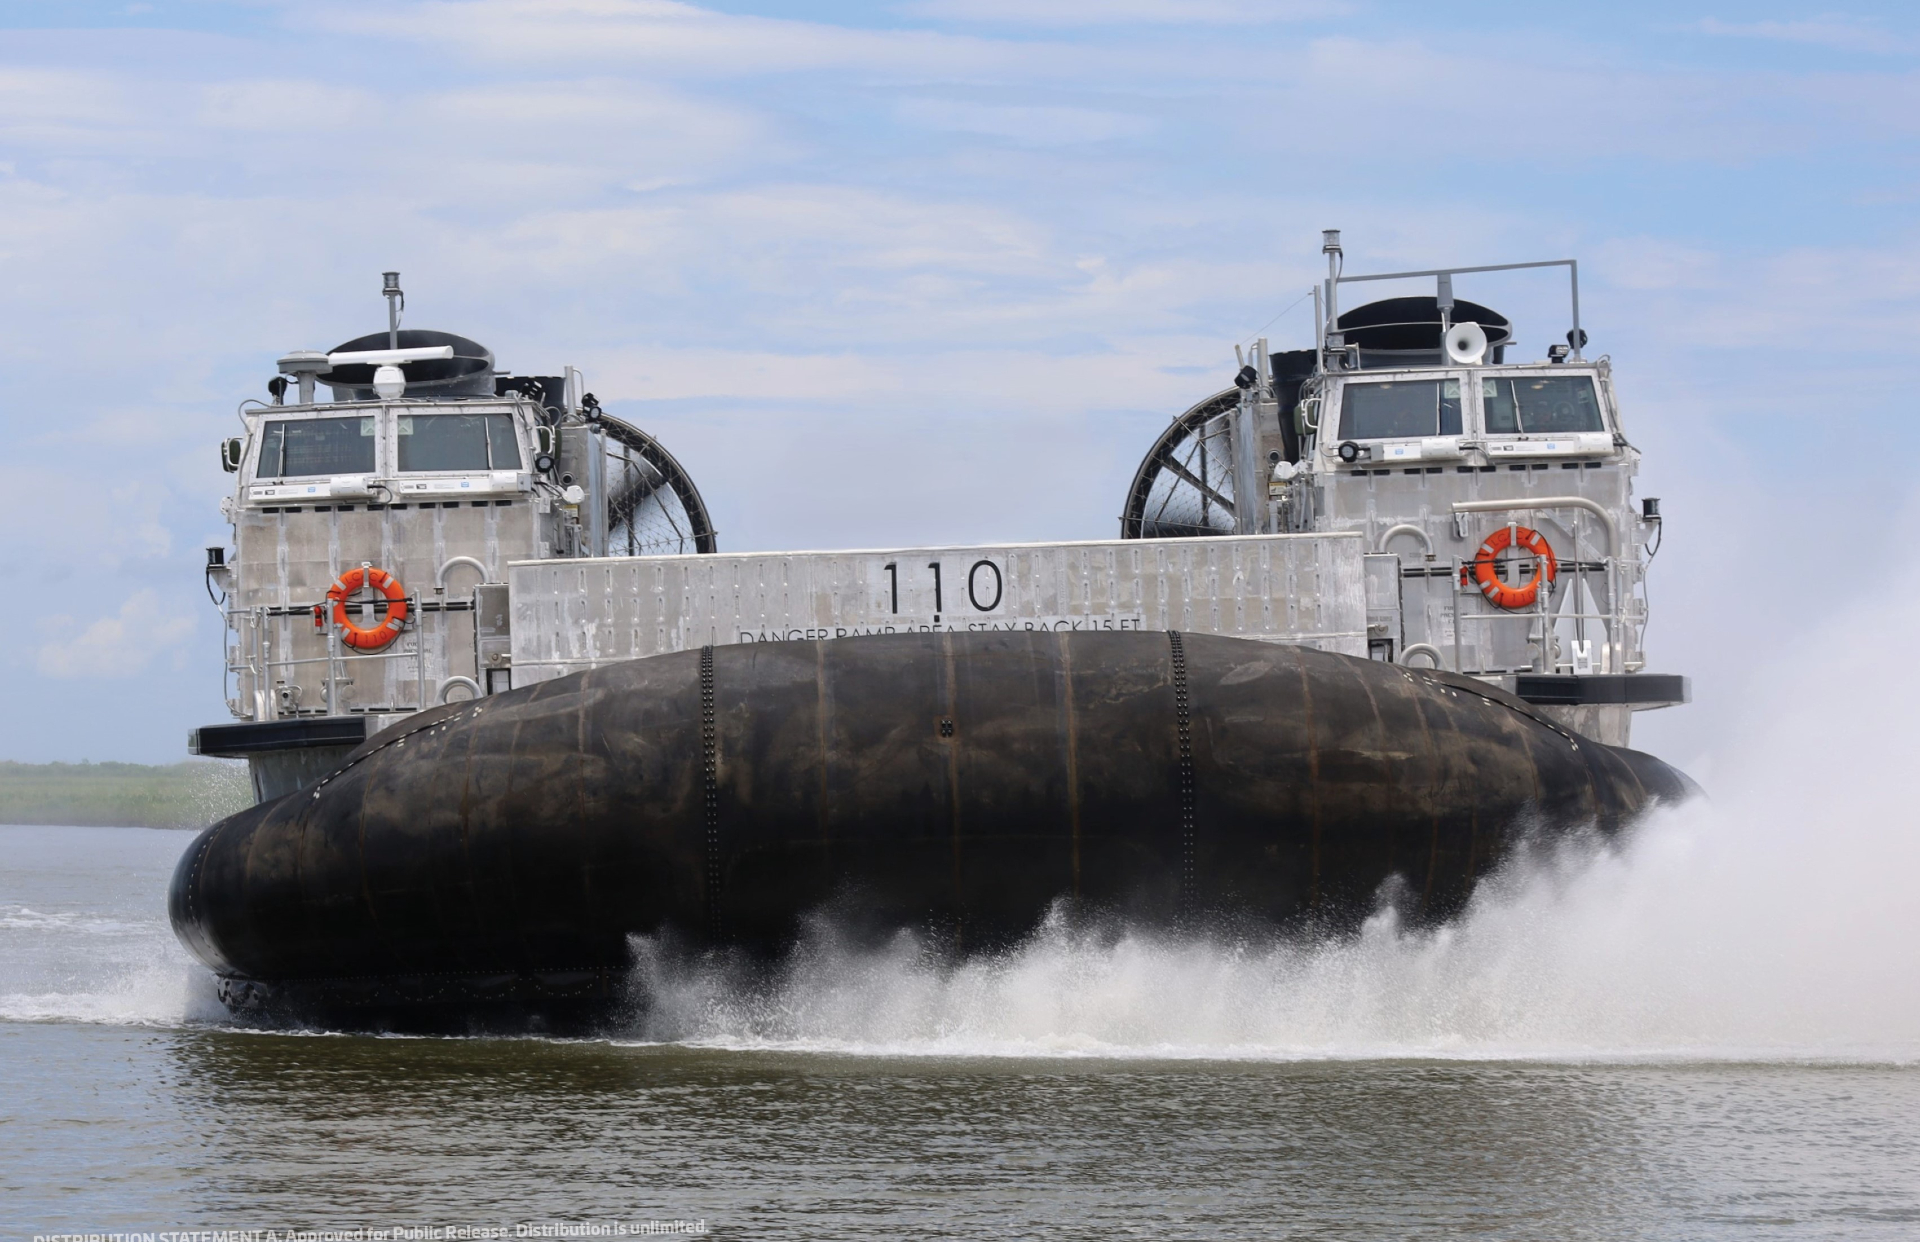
(159, 1129)
(1077, 1088)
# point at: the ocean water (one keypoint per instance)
(1709, 1029)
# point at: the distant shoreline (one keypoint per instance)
(191, 794)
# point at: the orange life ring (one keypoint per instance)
(1485, 563)
(368, 637)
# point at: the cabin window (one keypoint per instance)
(458, 442)
(290, 448)
(1399, 409)
(1540, 405)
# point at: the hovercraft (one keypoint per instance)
(1375, 616)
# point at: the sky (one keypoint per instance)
(937, 271)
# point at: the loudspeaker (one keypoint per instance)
(1467, 344)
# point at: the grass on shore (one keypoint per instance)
(123, 795)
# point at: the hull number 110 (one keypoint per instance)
(916, 590)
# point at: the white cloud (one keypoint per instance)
(603, 105)
(673, 37)
(588, 130)
(1833, 30)
(1651, 263)
(285, 105)
(69, 108)
(820, 244)
(557, 107)
(1034, 126)
(1792, 300)
(1125, 12)
(1544, 103)
(1121, 373)
(115, 646)
(112, 522)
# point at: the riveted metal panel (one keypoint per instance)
(574, 614)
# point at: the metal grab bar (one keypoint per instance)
(1615, 619)
(440, 579)
(446, 646)
(1547, 502)
(257, 662)
(1408, 528)
(451, 682)
(1426, 649)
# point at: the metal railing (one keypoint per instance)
(1620, 627)
(1617, 653)
(268, 671)
(251, 656)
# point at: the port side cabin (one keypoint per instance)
(437, 496)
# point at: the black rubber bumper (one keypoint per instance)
(237, 741)
(1598, 689)
(966, 783)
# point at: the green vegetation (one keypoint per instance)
(123, 795)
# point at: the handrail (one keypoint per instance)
(1408, 528)
(1614, 619)
(440, 579)
(451, 682)
(1426, 649)
(1547, 502)
(1573, 284)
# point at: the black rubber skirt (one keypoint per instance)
(507, 849)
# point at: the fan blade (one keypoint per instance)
(1167, 462)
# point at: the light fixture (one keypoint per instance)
(396, 302)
